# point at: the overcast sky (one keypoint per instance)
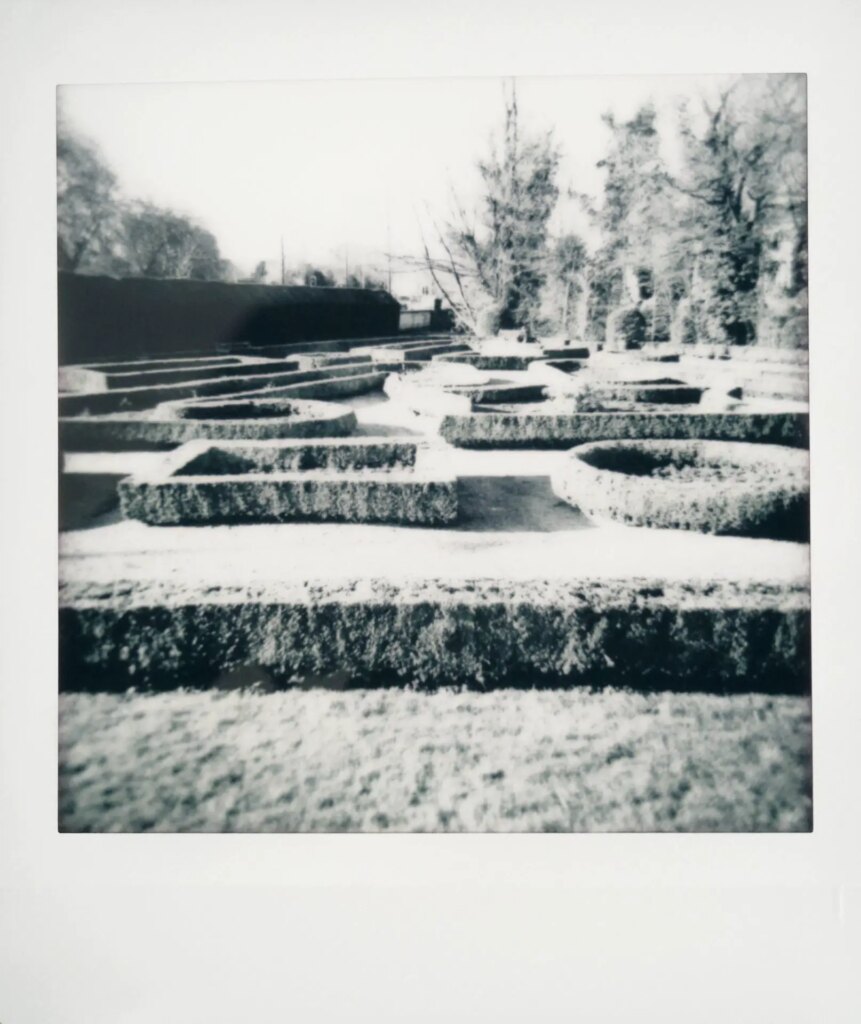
(335, 164)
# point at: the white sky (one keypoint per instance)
(330, 163)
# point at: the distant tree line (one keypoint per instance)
(99, 231)
(715, 251)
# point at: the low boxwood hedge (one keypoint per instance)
(175, 423)
(540, 430)
(163, 634)
(709, 486)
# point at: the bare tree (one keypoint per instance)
(491, 267)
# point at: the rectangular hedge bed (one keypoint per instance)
(489, 362)
(415, 353)
(534, 430)
(125, 379)
(330, 388)
(369, 483)
(96, 403)
(229, 458)
(163, 634)
(95, 376)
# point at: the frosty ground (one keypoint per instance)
(400, 760)
(394, 760)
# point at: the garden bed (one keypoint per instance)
(663, 391)
(133, 378)
(140, 398)
(499, 391)
(542, 430)
(172, 424)
(565, 352)
(709, 486)
(94, 376)
(329, 387)
(199, 485)
(234, 457)
(488, 361)
(479, 633)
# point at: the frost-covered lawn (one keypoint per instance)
(397, 760)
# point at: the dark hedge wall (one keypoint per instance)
(109, 318)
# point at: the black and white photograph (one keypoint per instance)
(428, 535)
(438, 462)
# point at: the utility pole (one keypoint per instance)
(389, 251)
(283, 268)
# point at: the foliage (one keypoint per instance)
(98, 231)
(745, 178)
(366, 280)
(494, 269)
(160, 243)
(540, 430)
(566, 284)
(258, 275)
(315, 277)
(88, 215)
(685, 485)
(637, 260)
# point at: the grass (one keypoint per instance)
(396, 760)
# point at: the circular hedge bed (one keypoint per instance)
(262, 417)
(719, 487)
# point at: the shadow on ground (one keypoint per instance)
(385, 430)
(87, 498)
(523, 503)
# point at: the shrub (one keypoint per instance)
(478, 633)
(538, 430)
(709, 486)
(170, 424)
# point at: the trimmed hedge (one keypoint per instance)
(652, 392)
(491, 393)
(489, 362)
(370, 497)
(319, 360)
(234, 457)
(478, 633)
(148, 397)
(565, 352)
(333, 387)
(93, 376)
(130, 378)
(417, 353)
(709, 486)
(166, 427)
(536, 430)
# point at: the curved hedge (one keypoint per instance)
(171, 424)
(541, 430)
(709, 486)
